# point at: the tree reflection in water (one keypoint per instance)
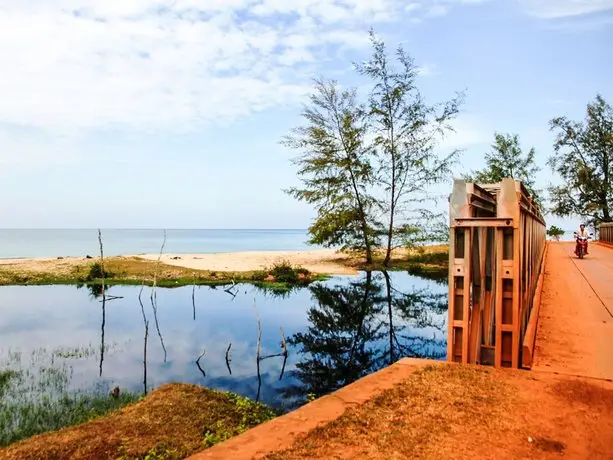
(360, 327)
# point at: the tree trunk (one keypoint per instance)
(388, 286)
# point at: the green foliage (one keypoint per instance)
(335, 168)
(285, 273)
(97, 272)
(584, 160)
(406, 131)
(508, 160)
(251, 414)
(427, 229)
(366, 166)
(555, 232)
(36, 398)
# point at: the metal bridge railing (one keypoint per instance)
(497, 241)
(606, 232)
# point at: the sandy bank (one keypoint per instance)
(321, 261)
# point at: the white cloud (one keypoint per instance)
(469, 132)
(427, 70)
(551, 9)
(172, 63)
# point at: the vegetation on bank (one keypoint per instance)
(428, 261)
(172, 422)
(21, 418)
(136, 271)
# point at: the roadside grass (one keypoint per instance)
(413, 419)
(172, 422)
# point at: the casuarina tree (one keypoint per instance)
(406, 131)
(584, 160)
(506, 159)
(335, 169)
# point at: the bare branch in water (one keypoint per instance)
(113, 297)
(228, 359)
(157, 324)
(285, 352)
(103, 299)
(257, 356)
(154, 297)
(194, 298)
(146, 322)
(231, 289)
(198, 363)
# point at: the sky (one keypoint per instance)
(169, 113)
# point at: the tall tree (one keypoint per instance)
(335, 169)
(406, 131)
(506, 159)
(584, 160)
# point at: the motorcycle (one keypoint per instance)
(581, 247)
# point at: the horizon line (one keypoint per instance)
(149, 228)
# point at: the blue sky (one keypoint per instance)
(168, 113)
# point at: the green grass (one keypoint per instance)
(136, 271)
(35, 397)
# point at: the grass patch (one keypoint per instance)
(35, 394)
(20, 420)
(172, 422)
(135, 271)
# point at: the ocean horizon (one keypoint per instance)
(31, 243)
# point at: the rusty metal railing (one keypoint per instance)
(497, 241)
(606, 232)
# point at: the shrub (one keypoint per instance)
(96, 272)
(283, 272)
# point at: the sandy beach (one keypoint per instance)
(321, 261)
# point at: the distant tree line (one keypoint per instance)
(367, 165)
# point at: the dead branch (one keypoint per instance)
(154, 297)
(285, 352)
(198, 363)
(146, 322)
(257, 355)
(103, 299)
(230, 289)
(194, 299)
(228, 359)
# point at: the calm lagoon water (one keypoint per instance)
(336, 332)
(56, 243)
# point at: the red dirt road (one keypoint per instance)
(575, 331)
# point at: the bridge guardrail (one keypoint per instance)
(606, 232)
(497, 240)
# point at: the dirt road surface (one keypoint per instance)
(575, 331)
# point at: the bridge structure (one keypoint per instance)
(496, 253)
(606, 232)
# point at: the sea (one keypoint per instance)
(27, 243)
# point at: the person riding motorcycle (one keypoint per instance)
(583, 233)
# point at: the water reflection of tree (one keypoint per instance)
(407, 312)
(338, 346)
(358, 328)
